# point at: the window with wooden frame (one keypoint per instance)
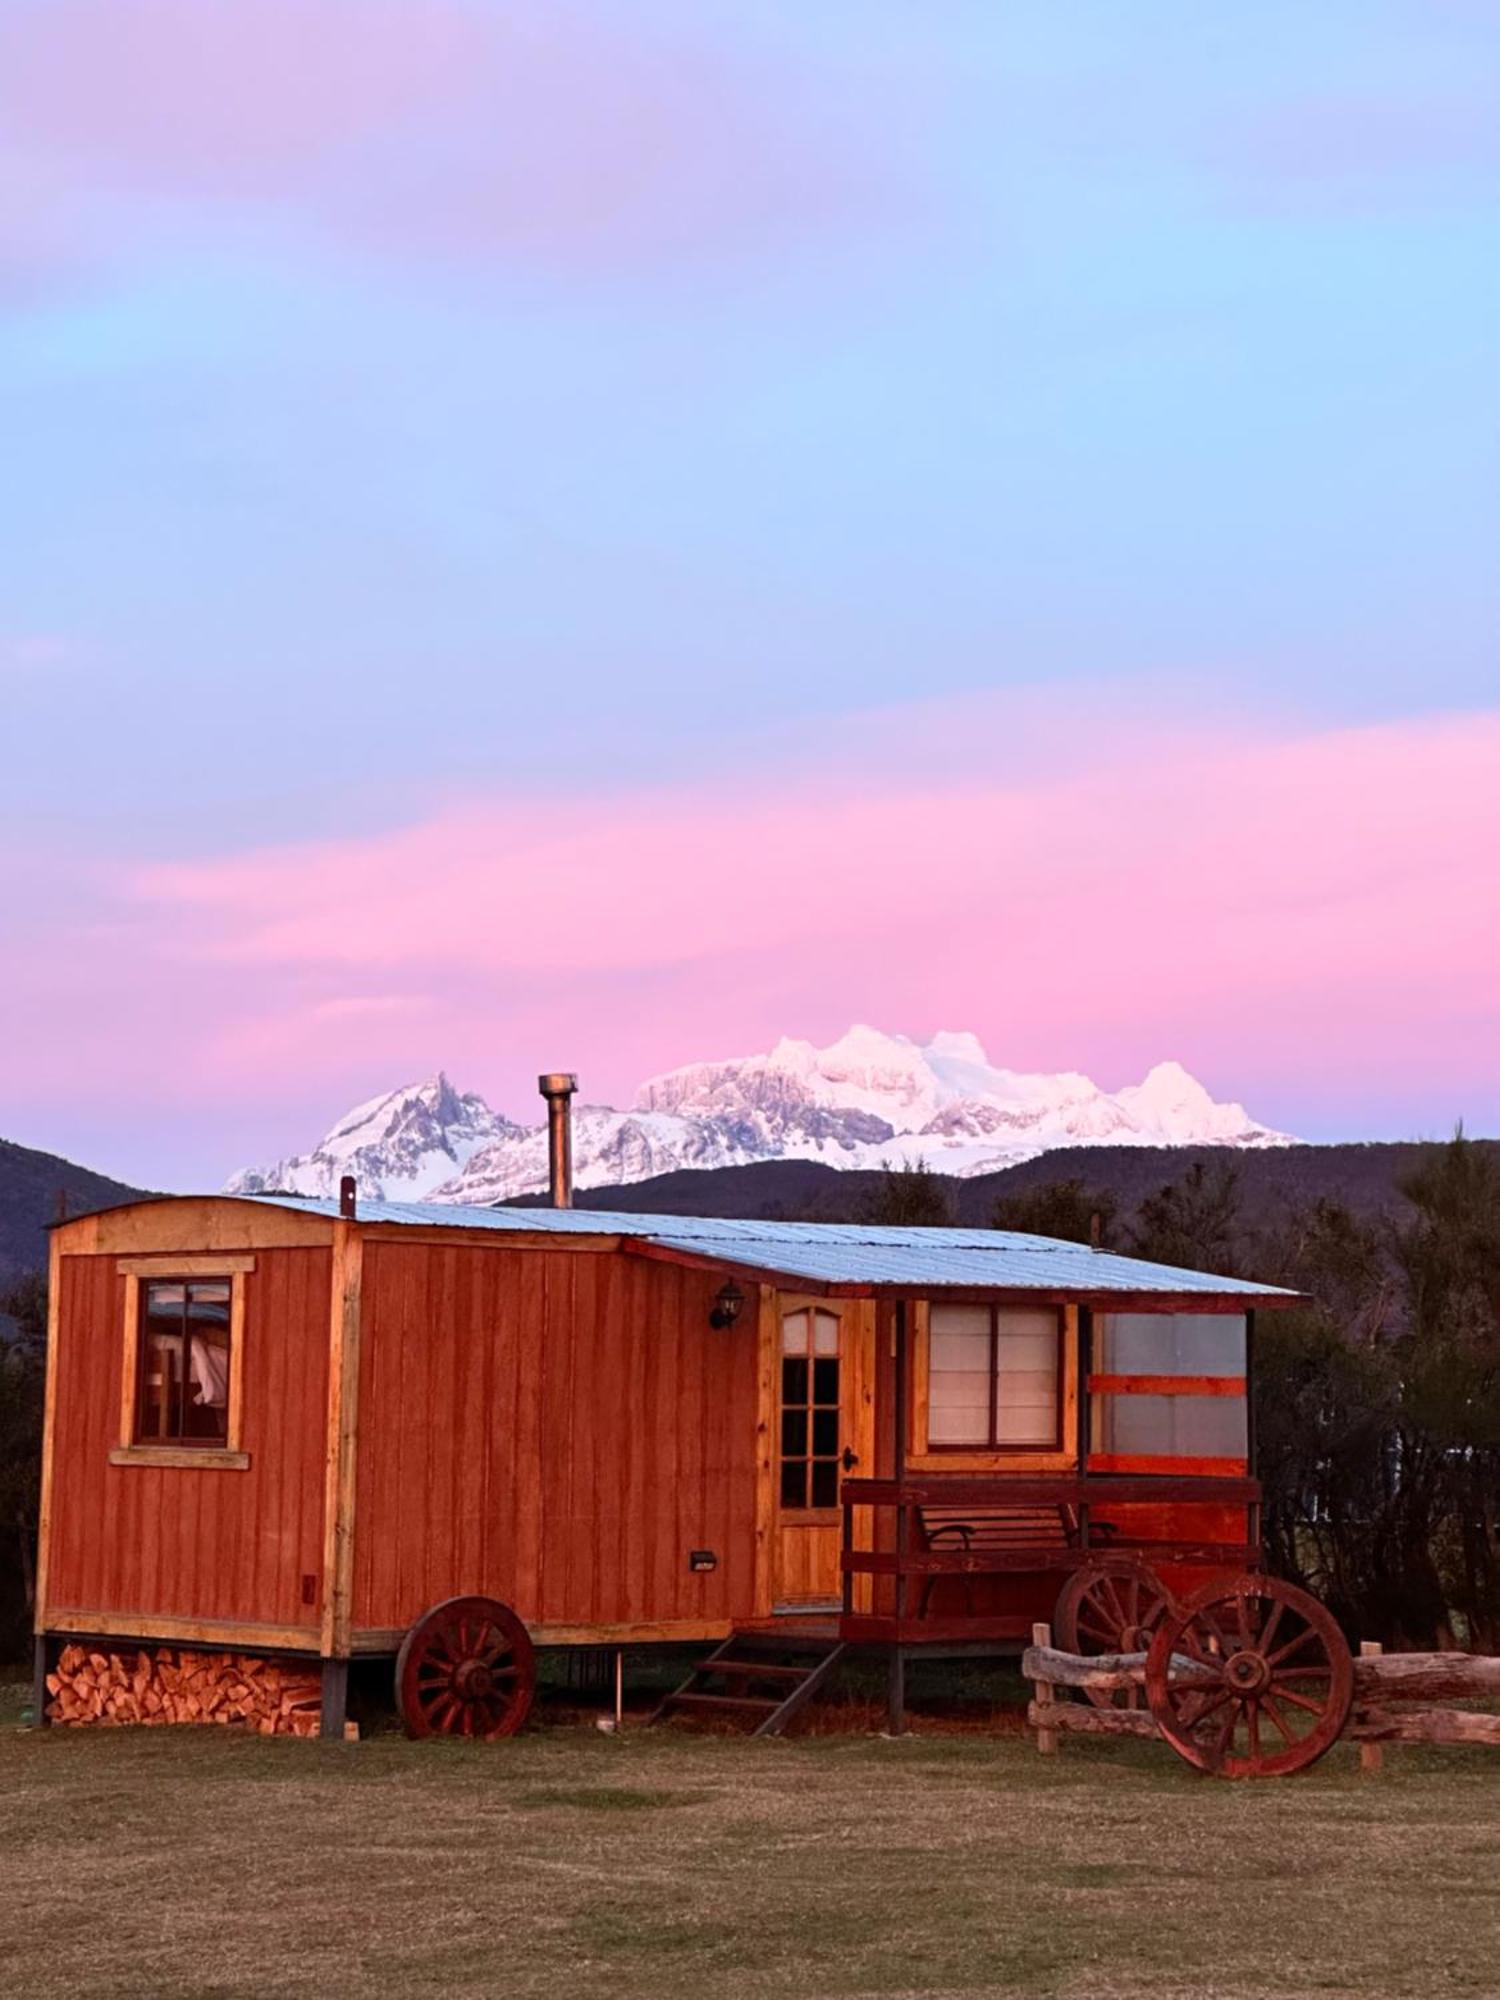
(994, 1379)
(810, 1391)
(1167, 1392)
(183, 1361)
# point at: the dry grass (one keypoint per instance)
(192, 1863)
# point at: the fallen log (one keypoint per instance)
(1425, 1725)
(1427, 1676)
(1087, 1720)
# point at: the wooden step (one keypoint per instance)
(722, 1701)
(758, 1669)
(762, 1639)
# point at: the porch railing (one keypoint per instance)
(894, 1558)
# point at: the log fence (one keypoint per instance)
(1398, 1697)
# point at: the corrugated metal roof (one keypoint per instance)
(836, 1253)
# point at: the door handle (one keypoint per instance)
(850, 1459)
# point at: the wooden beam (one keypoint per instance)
(1166, 1385)
(372, 1640)
(130, 1334)
(165, 1264)
(181, 1457)
(340, 1461)
(767, 1318)
(149, 1627)
(184, 1225)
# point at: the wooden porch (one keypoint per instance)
(887, 1537)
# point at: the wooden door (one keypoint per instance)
(825, 1379)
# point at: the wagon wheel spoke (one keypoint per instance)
(1299, 1700)
(1302, 1639)
(1116, 1603)
(1269, 1704)
(1196, 1683)
(1201, 1715)
(1227, 1728)
(1268, 1630)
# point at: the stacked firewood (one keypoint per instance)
(167, 1684)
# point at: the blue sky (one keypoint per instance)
(407, 407)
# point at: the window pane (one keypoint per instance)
(958, 1376)
(1169, 1344)
(826, 1433)
(794, 1433)
(183, 1390)
(1026, 1385)
(1171, 1426)
(825, 1333)
(793, 1383)
(825, 1482)
(794, 1483)
(825, 1382)
(794, 1333)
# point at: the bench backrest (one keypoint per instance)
(1045, 1527)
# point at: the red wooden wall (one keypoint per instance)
(232, 1546)
(554, 1428)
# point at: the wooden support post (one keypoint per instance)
(1371, 1756)
(895, 1692)
(335, 1699)
(1046, 1739)
(41, 1666)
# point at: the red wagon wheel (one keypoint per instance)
(466, 1668)
(1250, 1678)
(1110, 1604)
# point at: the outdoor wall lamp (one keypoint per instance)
(728, 1305)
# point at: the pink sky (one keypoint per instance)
(1287, 911)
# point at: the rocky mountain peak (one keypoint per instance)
(868, 1099)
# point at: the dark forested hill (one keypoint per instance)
(30, 1184)
(1366, 1178)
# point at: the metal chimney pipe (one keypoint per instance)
(558, 1090)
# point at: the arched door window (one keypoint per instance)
(809, 1409)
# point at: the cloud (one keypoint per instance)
(548, 137)
(1308, 903)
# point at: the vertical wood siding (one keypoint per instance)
(557, 1429)
(231, 1546)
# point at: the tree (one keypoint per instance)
(1194, 1222)
(1448, 1255)
(1064, 1209)
(23, 1343)
(910, 1196)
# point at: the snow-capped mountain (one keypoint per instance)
(868, 1100)
(400, 1147)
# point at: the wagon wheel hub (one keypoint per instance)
(1247, 1672)
(473, 1680)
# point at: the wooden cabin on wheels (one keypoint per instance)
(291, 1433)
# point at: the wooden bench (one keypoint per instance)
(1050, 1531)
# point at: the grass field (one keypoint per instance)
(178, 1863)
